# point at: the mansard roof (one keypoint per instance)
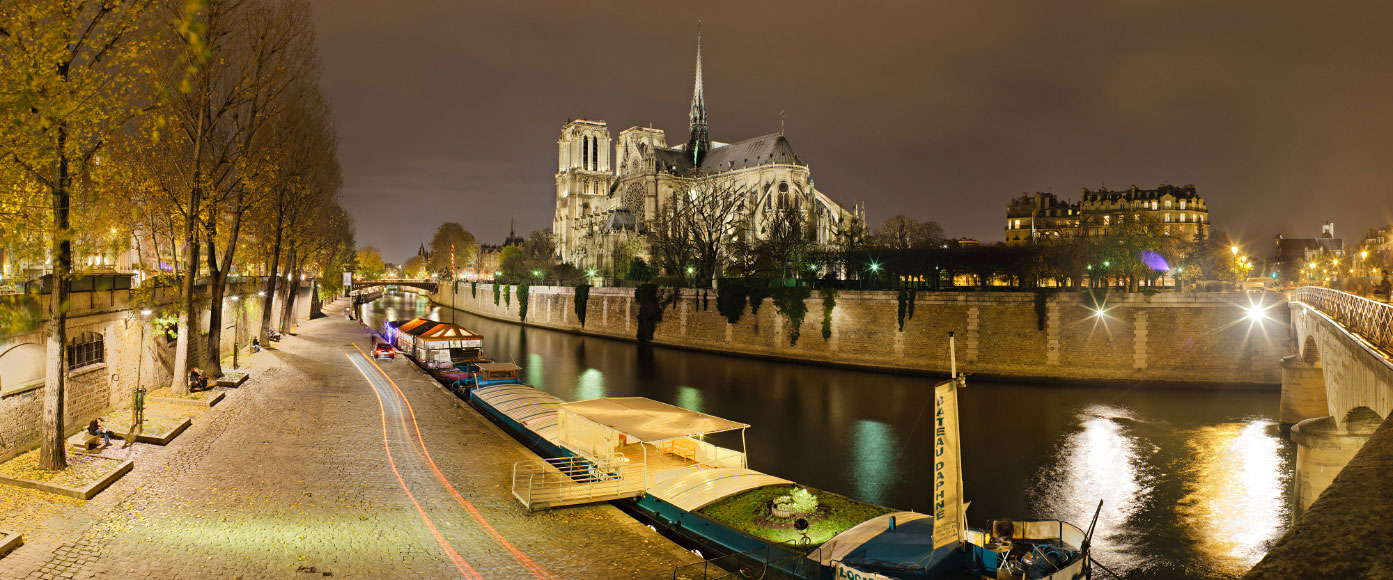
(762, 150)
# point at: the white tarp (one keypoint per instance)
(947, 472)
(648, 420)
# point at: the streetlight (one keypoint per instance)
(589, 272)
(236, 330)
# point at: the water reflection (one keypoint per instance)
(1234, 506)
(590, 385)
(875, 463)
(688, 398)
(1103, 460)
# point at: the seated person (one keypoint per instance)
(97, 428)
(256, 345)
(197, 380)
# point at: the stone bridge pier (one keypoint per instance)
(1337, 393)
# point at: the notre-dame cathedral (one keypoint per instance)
(605, 203)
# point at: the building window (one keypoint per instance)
(1107, 220)
(87, 348)
(1153, 204)
(1168, 218)
(1168, 204)
(1182, 218)
(1182, 204)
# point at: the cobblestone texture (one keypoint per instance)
(287, 478)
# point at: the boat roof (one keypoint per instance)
(872, 544)
(498, 366)
(648, 420)
(447, 331)
(530, 407)
(692, 489)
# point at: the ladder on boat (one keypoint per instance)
(562, 481)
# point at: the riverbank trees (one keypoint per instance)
(168, 125)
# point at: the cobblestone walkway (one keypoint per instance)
(288, 478)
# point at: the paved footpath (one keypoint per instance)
(290, 477)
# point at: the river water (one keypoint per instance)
(1195, 483)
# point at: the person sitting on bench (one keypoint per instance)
(97, 428)
(197, 380)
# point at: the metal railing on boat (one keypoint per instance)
(548, 483)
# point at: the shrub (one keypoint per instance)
(474, 289)
(730, 299)
(906, 309)
(497, 290)
(829, 302)
(757, 292)
(582, 299)
(649, 311)
(1042, 303)
(790, 302)
(524, 295)
(507, 296)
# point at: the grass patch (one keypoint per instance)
(749, 512)
(159, 419)
(167, 393)
(83, 469)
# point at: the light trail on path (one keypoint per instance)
(379, 381)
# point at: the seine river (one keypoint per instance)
(1195, 483)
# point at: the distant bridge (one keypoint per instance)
(427, 285)
(1338, 390)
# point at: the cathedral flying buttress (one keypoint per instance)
(604, 204)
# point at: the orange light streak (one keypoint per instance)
(460, 564)
(527, 562)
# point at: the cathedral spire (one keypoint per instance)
(699, 142)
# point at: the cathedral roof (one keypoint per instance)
(763, 150)
(621, 219)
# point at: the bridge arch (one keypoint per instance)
(1310, 351)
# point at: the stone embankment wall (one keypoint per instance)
(1163, 338)
(93, 389)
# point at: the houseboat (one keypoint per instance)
(657, 461)
(435, 345)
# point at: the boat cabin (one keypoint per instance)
(484, 374)
(435, 344)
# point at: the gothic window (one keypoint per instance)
(87, 348)
(783, 187)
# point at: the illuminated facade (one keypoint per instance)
(607, 193)
(1180, 212)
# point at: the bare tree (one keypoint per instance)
(694, 230)
(903, 232)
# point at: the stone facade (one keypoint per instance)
(608, 193)
(1179, 212)
(1189, 337)
(93, 389)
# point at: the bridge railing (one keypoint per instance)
(1370, 319)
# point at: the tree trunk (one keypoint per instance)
(188, 318)
(217, 284)
(52, 454)
(292, 287)
(270, 300)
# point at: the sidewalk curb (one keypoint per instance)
(161, 439)
(9, 541)
(84, 493)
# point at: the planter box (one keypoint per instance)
(83, 493)
(232, 380)
(209, 402)
(9, 541)
(160, 439)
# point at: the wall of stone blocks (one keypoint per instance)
(1160, 338)
(92, 391)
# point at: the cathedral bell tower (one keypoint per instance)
(699, 143)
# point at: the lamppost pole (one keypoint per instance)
(236, 330)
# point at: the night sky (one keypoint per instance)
(1280, 112)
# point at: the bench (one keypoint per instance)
(85, 441)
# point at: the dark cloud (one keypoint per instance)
(1279, 111)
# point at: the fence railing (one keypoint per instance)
(1370, 319)
(544, 483)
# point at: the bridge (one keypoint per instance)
(427, 285)
(1338, 391)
